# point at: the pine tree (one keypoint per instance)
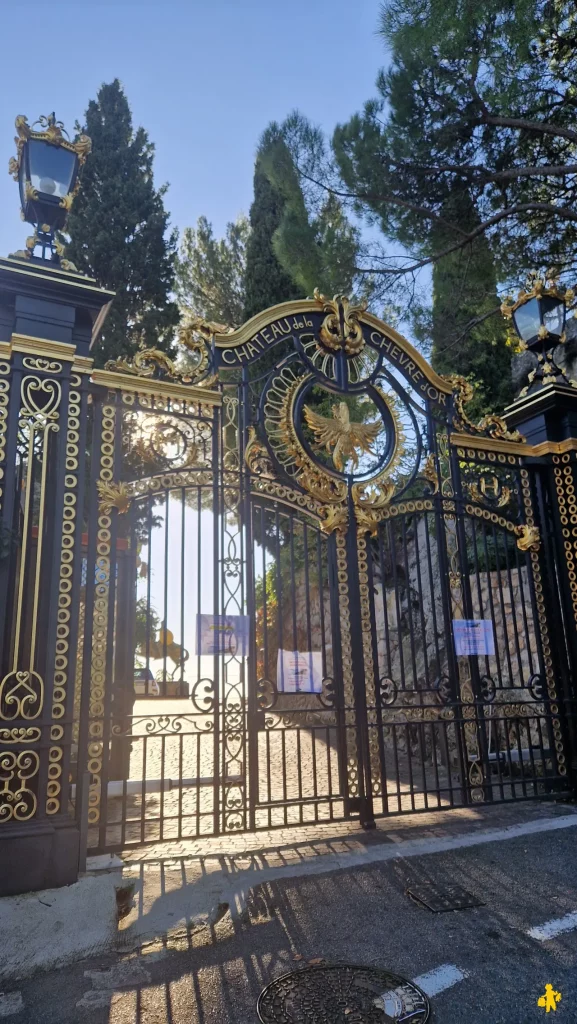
(118, 230)
(465, 294)
(210, 272)
(266, 283)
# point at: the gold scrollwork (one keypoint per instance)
(419, 714)
(492, 426)
(153, 363)
(194, 335)
(528, 538)
(42, 365)
(334, 336)
(118, 496)
(21, 734)
(430, 474)
(304, 502)
(17, 801)
(370, 497)
(69, 526)
(21, 695)
(256, 456)
(22, 689)
(149, 362)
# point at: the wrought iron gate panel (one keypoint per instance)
(151, 706)
(298, 769)
(315, 477)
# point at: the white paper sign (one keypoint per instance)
(299, 672)
(474, 636)
(222, 634)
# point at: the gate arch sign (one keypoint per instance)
(331, 324)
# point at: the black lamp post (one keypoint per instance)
(538, 316)
(47, 167)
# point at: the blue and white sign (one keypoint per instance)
(474, 636)
(222, 634)
(299, 672)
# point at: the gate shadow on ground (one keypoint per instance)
(185, 893)
(214, 972)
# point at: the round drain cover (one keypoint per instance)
(342, 994)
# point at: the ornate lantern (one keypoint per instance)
(538, 316)
(47, 167)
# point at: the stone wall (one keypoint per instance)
(412, 626)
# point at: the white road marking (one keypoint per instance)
(556, 926)
(433, 982)
(440, 979)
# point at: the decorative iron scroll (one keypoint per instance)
(18, 802)
(100, 619)
(490, 426)
(22, 689)
(155, 364)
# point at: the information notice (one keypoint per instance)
(222, 634)
(474, 636)
(299, 672)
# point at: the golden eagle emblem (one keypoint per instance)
(340, 436)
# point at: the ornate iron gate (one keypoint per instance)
(312, 496)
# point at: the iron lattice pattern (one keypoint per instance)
(281, 581)
(342, 994)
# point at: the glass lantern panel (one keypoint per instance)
(51, 168)
(527, 320)
(553, 315)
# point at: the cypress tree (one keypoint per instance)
(118, 230)
(266, 283)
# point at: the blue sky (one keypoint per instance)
(204, 77)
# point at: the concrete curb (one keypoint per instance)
(48, 929)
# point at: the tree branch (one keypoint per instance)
(470, 170)
(423, 211)
(470, 325)
(539, 127)
(481, 229)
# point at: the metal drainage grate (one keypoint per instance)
(342, 994)
(440, 898)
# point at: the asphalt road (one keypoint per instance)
(360, 916)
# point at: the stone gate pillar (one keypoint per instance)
(48, 320)
(547, 417)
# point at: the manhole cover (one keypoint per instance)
(442, 898)
(342, 994)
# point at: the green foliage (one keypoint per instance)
(118, 229)
(146, 624)
(315, 242)
(266, 283)
(471, 137)
(210, 271)
(465, 291)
